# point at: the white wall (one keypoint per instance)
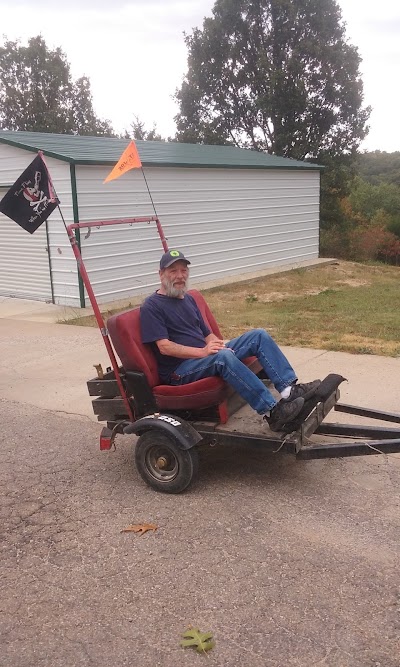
(228, 221)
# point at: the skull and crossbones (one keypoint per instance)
(36, 197)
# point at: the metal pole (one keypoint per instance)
(99, 317)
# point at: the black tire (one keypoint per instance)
(163, 465)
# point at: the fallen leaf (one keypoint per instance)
(201, 641)
(140, 528)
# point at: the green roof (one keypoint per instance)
(106, 150)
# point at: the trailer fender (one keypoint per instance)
(180, 430)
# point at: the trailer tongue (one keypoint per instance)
(306, 438)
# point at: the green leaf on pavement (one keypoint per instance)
(201, 641)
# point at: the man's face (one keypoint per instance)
(174, 279)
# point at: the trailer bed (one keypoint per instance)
(312, 437)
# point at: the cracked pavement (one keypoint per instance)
(289, 563)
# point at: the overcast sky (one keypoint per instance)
(135, 56)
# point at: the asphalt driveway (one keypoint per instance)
(288, 563)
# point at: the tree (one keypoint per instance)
(138, 131)
(85, 120)
(380, 167)
(366, 224)
(276, 76)
(37, 93)
(336, 181)
(367, 199)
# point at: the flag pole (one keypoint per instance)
(54, 193)
(50, 180)
(62, 217)
(55, 198)
(148, 190)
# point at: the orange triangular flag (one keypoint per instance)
(129, 160)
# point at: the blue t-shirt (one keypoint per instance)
(177, 320)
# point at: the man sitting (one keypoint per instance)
(186, 349)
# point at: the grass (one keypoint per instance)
(345, 306)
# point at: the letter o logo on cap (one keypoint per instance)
(174, 253)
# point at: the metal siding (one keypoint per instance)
(229, 222)
(24, 265)
(24, 257)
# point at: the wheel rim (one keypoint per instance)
(161, 463)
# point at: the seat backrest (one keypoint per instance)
(124, 329)
(208, 317)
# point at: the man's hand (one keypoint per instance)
(213, 346)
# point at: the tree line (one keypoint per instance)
(366, 225)
(271, 75)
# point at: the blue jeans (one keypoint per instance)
(227, 364)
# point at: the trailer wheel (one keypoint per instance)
(163, 464)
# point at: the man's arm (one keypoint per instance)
(170, 349)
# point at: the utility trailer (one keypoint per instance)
(172, 422)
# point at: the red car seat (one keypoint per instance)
(124, 329)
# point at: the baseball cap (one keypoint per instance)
(170, 257)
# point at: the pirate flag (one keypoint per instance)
(31, 199)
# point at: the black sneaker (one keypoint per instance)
(305, 390)
(284, 412)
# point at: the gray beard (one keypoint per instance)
(174, 292)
